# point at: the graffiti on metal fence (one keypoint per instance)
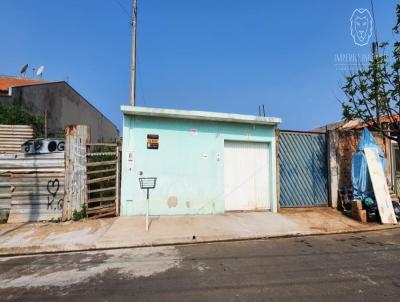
(40, 146)
(53, 202)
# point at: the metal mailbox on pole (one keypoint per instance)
(147, 183)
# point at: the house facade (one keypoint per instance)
(347, 135)
(60, 104)
(204, 162)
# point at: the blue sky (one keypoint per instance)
(215, 55)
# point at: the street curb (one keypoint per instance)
(182, 243)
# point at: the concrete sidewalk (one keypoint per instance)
(125, 232)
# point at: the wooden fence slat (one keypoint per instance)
(101, 163)
(101, 190)
(117, 185)
(111, 213)
(100, 153)
(102, 209)
(105, 207)
(100, 171)
(101, 179)
(100, 199)
(102, 144)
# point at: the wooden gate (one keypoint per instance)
(103, 165)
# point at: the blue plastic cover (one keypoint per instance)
(362, 186)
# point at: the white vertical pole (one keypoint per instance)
(147, 214)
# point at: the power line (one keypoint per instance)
(374, 21)
(141, 86)
(123, 8)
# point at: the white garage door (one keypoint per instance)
(246, 176)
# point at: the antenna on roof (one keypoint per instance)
(23, 70)
(39, 72)
(261, 110)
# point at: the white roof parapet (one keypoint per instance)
(200, 115)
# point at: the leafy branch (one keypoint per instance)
(373, 92)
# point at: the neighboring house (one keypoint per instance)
(7, 82)
(330, 127)
(63, 104)
(205, 162)
(391, 151)
(347, 135)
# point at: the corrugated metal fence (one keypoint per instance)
(32, 186)
(5, 195)
(303, 165)
(13, 136)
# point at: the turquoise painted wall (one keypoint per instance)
(188, 164)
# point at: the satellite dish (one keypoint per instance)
(24, 69)
(40, 71)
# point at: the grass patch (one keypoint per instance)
(78, 215)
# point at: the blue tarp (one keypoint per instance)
(362, 186)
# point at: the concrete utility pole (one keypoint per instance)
(133, 66)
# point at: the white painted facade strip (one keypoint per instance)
(200, 115)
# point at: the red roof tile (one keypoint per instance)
(356, 124)
(7, 82)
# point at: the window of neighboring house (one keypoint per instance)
(397, 159)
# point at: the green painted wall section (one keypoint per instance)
(188, 164)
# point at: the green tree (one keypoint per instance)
(373, 92)
(11, 114)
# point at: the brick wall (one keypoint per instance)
(347, 146)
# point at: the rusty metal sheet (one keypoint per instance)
(27, 189)
(76, 138)
(36, 196)
(5, 193)
(13, 136)
(14, 163)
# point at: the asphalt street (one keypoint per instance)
(352, 267)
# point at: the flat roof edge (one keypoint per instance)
(200, 115)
